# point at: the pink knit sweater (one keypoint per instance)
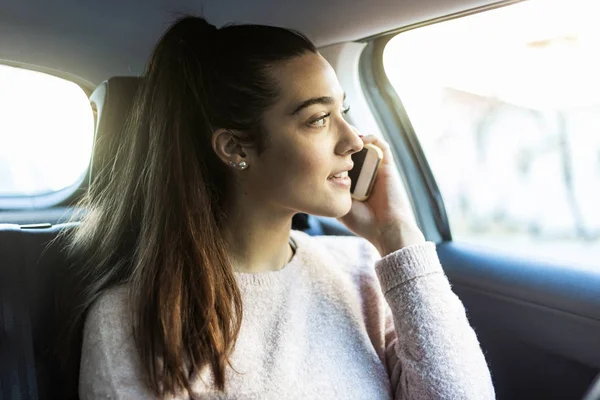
(338, 322)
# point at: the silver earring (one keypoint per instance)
(241, 165)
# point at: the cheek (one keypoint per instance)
(302, 170)
(295, 170)
(311, 162)
(298, 180)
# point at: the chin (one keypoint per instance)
(344, 206)
(335, 207)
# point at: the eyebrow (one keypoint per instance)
(315, 100)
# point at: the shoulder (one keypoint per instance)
(112, 303)
(346, 266)
(109, 316)
(350, 253)
(110, 366)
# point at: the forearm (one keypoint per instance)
(437, 354)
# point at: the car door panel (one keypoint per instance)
(536, 321)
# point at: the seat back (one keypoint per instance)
(28, 296)
(17, 374)
(32, 264)
(112, 101)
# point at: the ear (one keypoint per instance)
(228, 146)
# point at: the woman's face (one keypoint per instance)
(308, 142)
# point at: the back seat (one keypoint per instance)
(32, 263)
(30, 273)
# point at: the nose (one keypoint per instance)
(349, 141)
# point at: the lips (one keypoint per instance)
(343, 174)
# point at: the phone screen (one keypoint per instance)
(358, 159)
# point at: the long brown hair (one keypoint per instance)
(157, 223)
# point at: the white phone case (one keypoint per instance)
(368, 172)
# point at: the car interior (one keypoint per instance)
(537, 318)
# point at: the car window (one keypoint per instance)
(508, 113)
(46, 133)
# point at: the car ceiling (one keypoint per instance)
(90, 41)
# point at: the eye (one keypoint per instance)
(320, 122)
(345, 110)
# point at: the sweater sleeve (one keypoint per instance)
(431, 351)
(110, 367)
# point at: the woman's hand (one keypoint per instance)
(384, 218)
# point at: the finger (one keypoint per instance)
(373, 139)
(376, 140)
(379, 142)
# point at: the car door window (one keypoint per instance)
(506, 105)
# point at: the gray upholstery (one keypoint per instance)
(17, 377)
(31, 269)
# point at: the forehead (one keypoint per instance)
(304, 77)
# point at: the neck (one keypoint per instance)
(257, 238)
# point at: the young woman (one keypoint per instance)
(192, 284)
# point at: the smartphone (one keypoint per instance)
(364, 172)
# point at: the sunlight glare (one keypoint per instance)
(46, 132)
